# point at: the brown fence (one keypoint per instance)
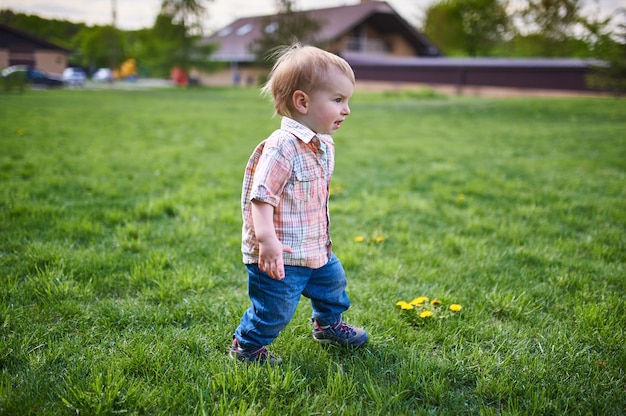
(545, 74)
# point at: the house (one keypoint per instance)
(386, 52)
(368, 28)
(21, 48)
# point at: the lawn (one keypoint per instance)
(122, 283)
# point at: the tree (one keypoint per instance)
(549, 28)
(166, 45)
(59, 32)
(467, 27)
(284, 28)
(554, 19)
(609, 47)
(186, 13)
(174, 39)
(442, 25)
(102, 46)
(485, 24)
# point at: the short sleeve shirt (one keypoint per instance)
(291, 170)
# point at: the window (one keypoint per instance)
(271, 28)
(225, 32)
(245, 29)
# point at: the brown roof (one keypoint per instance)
(235, 39)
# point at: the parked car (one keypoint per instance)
(74, 77)
(103, 75)
(17, 75)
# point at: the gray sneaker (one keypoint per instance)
(258, 355)
(340, 334)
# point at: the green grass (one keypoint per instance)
(121, 279)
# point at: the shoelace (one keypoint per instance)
(343, 327)
(260, 352)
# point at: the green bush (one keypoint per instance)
(15, 81)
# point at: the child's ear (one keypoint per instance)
(300, 101)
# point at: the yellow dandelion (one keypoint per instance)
(20, 132)
(435, 302)
(404, 305)
(336, 189)
(359, 238)
(461, 197)
(379, 239)
(455, 307)
(419, 301)
(426, 314)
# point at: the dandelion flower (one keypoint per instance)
(336, 189)
(404, 305)
(379, 239)
(435, 302)
(461, 197)
(455, 307)
(419, 301)
(359, 238)
(426, 314)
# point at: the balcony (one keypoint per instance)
(364, 45)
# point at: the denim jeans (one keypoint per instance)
(274, 301)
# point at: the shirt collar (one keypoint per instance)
(299, 130)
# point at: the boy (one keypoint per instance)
(286, 244)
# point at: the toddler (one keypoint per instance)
(286, 244)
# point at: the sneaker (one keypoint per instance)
(340, 334)
(253, 355)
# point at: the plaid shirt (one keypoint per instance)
(291, 171)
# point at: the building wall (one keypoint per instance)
(400, 47)
(247, 77)
(50, 61)
(22, 49)
(4, 58)
(21, 58)
(367, 40)
(396, 44)
(44, 59)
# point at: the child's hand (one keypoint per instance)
(271, 258)
(270, 248)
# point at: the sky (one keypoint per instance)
(137, 14)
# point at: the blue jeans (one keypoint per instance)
(274, 301)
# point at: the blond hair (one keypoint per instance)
(300, 67)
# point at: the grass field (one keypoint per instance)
(121, 279)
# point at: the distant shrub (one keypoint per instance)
(14, 81)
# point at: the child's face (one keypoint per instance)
(328, 107)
